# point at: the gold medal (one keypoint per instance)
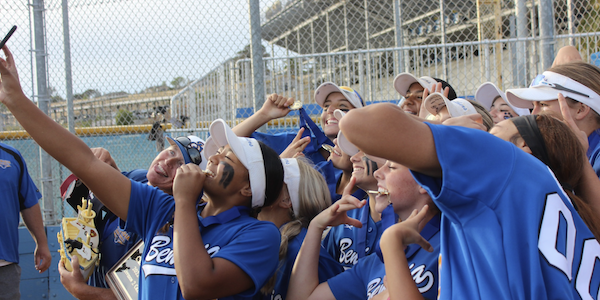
(296, 105)
(327, 147)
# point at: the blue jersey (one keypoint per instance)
(593, 152)
(347, 243)
(365, 279)
(17, 192)
(328, 267)
(507, 234)
(233, 235)
(280, 141)
(114, 241)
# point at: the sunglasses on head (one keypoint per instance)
(541, 80)
(193, 149)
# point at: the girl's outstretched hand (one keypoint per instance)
(408, 231)
(336, 214)
(10, 87)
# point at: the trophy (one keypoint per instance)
(79, 237)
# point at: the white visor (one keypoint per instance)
(247, 151)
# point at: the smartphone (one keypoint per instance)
(5, 39)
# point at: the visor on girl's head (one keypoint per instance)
(456, 108)
(247, 151)
(349, 93)
(292, 180)
(488, 92)
(404, 80)
(545, 87)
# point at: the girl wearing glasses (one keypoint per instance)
(160, 174)
(579, 82)
(216, 252)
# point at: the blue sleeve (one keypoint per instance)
(593, 152)
(29, 191)
(277, 141)
(138, 175)
(149, 209)
(329, 243)
(461, 188)
(328, 267)
(253, 250)
(349, 284)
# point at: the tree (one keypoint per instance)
(54, 96)
(178, 82)
(88, 94)
(245, 53)
(124, 117)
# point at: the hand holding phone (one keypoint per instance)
(5, 39)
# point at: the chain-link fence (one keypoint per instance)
(135, 70)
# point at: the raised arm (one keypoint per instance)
(276, 106)
(394, 240)
(384, 130)
(199, 275)
(304, 281)
(106, 182)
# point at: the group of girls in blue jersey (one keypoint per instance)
(385, 204)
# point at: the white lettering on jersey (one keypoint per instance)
(161, 251)
(547, 242)
(275, 297)
(422, 276)
(374, 287)
(350, 257)
(161, 255)
(555, 208)
(212, 251)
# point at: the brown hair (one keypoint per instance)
(584, 73)
(488, 122)
(566, 159)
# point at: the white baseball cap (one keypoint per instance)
(487, 92)
(291, 178)
(546, 86)
(192, 148)
(342, 141)
(349, 93)
(403, 81)
(247, 151)
(456, 108)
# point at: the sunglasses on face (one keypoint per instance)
(193, 149)
(541, 80)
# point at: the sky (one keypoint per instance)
(129, 45)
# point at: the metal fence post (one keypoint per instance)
(443, 38)
(547, 40)
(521, 65)
(258, 85)
(68, 73)
(399, 37)
(43, 103)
